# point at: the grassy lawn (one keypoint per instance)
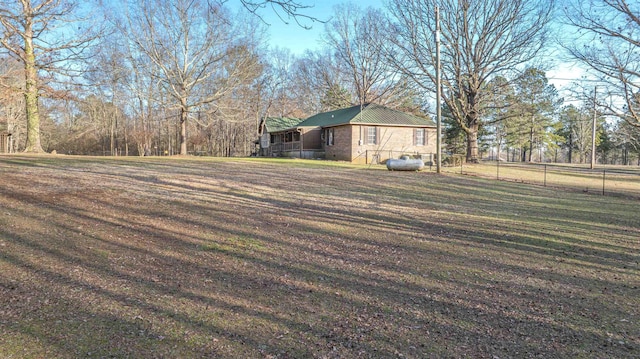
(613, 180)
(254, 258)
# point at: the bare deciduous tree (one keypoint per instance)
(627, 140)
(609, 45)
(481, 39)
(198, 55)
(316, 74)
(279, 80)
(12, 100)
(32, 33)
(109, 76)
(355, 36)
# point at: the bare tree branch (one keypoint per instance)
(357, 37)
(31, 34)
(198, 54)
(609, 33)
(481, 40)
(284, 9)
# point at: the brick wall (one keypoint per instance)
(350, 143)
(342, 144)
(391, 142)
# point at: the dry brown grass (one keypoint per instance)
(189, 258)
(608, 180)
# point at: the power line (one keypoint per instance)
(574, 79)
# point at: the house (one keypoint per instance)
(273, 139)
(367, 134)
(6, 145)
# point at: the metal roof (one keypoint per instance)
(275, 124)
(369, 114)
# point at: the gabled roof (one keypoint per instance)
(370, 114)
(275, 124)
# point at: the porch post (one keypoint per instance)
(301, 143)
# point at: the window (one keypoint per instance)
(419, 137)
(328, 136)
(372, 135)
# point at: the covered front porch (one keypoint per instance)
(297, 143)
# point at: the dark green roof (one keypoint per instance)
(371, 114)
(275, 124)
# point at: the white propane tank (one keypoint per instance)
(405, 164)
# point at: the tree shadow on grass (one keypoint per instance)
(197, 274)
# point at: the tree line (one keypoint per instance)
(157, 77)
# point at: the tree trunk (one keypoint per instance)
(112, 132)
(530, 144)
(31, 95)
(472, 123)
(183, 130)
(570, 147)
(472, 143)
(126, 142)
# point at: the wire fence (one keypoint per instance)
(604, 180)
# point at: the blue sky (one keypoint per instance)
(297, 39)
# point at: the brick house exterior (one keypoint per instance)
(371, 134)
(377, 143)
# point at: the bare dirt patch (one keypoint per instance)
(182, 258)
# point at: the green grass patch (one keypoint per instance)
(233, 244)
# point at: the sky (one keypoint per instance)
(298, 39)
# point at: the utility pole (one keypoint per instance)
(593, 133)
(438, 96)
